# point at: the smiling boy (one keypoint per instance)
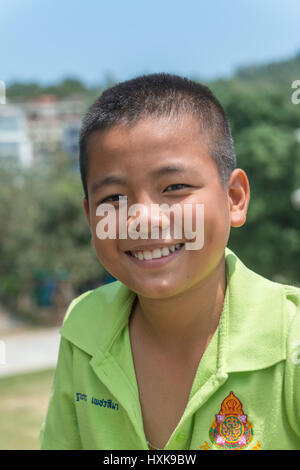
(188, 349)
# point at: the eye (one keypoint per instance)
(177, 186)
(112, 198)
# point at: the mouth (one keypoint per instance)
(155, 257)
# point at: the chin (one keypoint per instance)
(157, 290)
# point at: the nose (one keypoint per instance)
(147, 217)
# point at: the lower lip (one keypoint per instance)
(155, 262)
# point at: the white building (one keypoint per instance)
(2, 92)
(14, 140)
(46, 137)
(35, 131)
(53, 125)
(70, 139)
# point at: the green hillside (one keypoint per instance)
(282, 73)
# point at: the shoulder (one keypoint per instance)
(292, 312)
(93, 317)
(292, 294)
(92, 299)
(258, 290)
(267, 313)
(292, 363)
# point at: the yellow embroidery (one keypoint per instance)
(205, 446)
(257, 447)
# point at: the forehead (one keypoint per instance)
(152, 131)
(147, 144)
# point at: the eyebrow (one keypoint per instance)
(113, 179)
(106, 182)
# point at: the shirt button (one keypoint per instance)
(181, 436)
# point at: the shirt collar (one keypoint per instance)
(255, 323)
(252, 326)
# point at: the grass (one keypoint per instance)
(23, 405)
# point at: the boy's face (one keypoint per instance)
(135, 155)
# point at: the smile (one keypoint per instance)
(155, 256)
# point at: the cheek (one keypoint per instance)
(106, 249)
(109, 256)
(216, 224)
(206, 216)
(192, 215)
(104, 234)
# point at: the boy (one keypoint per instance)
(188, 349)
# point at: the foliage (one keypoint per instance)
(265, 126)
(64, 89)
(44, 231)
(282, 73)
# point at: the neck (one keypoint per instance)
(185, 322)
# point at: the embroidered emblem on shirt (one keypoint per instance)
(231, 429)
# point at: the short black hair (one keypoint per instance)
(159, 95)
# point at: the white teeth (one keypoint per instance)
(147, 255)
(156, 253)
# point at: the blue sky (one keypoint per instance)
(46, 40)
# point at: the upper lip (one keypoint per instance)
(153, 246)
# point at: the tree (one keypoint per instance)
(45, 230)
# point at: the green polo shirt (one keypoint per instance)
(245, 394)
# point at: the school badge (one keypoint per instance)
(231, 429)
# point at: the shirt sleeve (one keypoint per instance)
(292, 372)
(59, 430)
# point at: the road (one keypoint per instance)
(26, 351)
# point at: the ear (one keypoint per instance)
(87, 213)
(239, 197)
(86, 210)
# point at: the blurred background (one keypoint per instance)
(55, 59)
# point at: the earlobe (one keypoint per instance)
(238, 218)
